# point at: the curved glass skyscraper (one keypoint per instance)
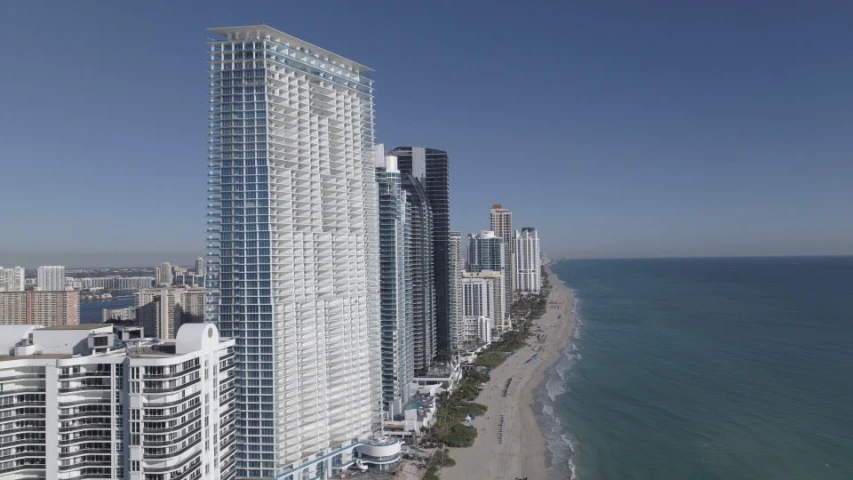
(431, 168)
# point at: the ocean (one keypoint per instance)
(705, 369)
(92, 312)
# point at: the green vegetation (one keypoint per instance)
(441, 458)
(524, 311)
(490, 359)
(448, 428)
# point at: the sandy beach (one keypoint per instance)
(523, 451)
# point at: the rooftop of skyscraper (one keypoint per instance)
(265, 31)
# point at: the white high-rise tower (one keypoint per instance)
(12, 279)
(528, 261)
(50, 278)
(293, 251)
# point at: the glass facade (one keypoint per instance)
(431, 167)
(421, 262)
(487, 252)
(395, 281)
(291, 248)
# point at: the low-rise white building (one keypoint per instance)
(439, 378)
(124, 314)
(478, 330)
(418, 414)
(73, 405)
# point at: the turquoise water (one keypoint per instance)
(706, 369)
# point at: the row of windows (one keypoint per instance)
(256, 383)
(249, 296)
(218, 82)
(251, 183)
(228, 96)
(239, 188)
(228, 47)
(263, 308)
(261, 267)
(262, 130)
(226, 170)
(247, 236)
(240, 123)
(238, 115)
(237, 55)
(233, 321)
(249, 211)
(220, 88)
(240, 139)
(238, 145)
(240, 227)
(250, 285)
(248, 196)
(239, 74)
(248, 252)
(241, 107)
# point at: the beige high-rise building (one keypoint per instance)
(13, 308)
(161, 311)
(500, 222)
(33, 307)
(193, 304)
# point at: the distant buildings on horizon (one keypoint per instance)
(35, 307)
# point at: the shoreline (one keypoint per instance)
(523, 451)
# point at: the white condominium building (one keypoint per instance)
(478, 330)
(51, 278)
(397, 317)
(163, 274)
(454, 289)
(293, 251)
(113, 283)
(487, 252)
(483, 296)
(528, 261)
(12, 279)
(200, 266)
(73, 406)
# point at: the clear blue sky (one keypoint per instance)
(618, 130)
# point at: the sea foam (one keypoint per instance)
(561, 442)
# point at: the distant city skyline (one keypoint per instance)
(646, 132)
